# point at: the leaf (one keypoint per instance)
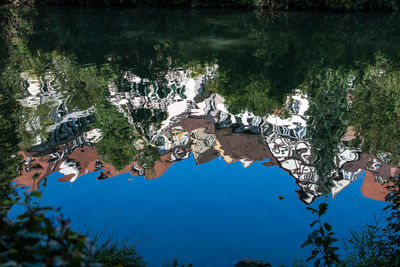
(322, 208)
(310, 258)
(314, 222)
(313, 210)
(306, 243)
(36, 194)
(327, 226)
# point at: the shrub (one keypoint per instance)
(33, 239)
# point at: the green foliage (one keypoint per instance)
(373, 245)
(327, 121)
(366, 247)
(146, 117)
(115, 151)
(34, 239)
(113, 254)
(82, 86)
(116, 146)
(392, 245)
(175, 263)
(377, 100)
(344, 4)
(8, 146)
(262, 4)
(9, 123)
(148, 156)
(250, 92)
(322, 239)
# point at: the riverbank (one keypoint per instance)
(332, 5)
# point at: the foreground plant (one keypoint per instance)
(322, 238)
(366, 246)
(35, 239)
(113, 254)
(373, 245)
(392, 231)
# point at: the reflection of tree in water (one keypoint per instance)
(145, 117)
(9, 107)
(328, 118)
(376, 110)
(259, 65)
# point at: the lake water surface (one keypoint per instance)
(204, 135)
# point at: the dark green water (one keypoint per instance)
(138, 91)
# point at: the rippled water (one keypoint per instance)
(203, 135)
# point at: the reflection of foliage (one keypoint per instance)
(279, 53)
(376, 109)
(116, 151)
(262, 4)
(329, 4)
(249, 92)
(83, 86)
(9, 122)
(19, 58)
(9, 138)
(147, 158)
(147, 117)
(260, 59)
(116, 146)
(327, 120)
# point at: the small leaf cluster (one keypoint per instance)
(119, 255)
(322, 239)
(392, 231)
(175, 263)
(366, 247)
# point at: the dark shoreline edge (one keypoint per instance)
(370, 6)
